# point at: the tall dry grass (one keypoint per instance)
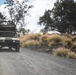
(30, 43)
(54, 40)
(64, 53)
(63, 43)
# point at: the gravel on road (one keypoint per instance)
(27, 62)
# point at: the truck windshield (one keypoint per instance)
(7, 34)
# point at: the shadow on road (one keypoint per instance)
(7, 50)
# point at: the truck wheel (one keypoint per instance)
(10, 47)
(17, 48)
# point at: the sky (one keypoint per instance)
(38, 10)
(2, 2)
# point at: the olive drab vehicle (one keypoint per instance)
(8, 37)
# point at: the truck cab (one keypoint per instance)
(8, 37)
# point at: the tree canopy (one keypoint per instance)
(46, 21)
(63, 15)
(18, 11)
(2, 19)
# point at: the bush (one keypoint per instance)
(71, 55)
(64, 53)
(30, 43)
(50, 44)
(74, 47)
(61, 52)
(29, 37)
(74, 38)
(21, 38)
(68, 36)
(54, 40)
(66, 42)
(33, 37)
(43, 39)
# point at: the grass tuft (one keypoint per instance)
(61, 52)
(71, 55)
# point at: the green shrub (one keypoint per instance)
(71, 55)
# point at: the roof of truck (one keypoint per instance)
(7, 25)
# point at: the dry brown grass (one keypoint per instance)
(43, 40)
(71, 55)
(64, 43)
(30, 43)
(54, 40)
(64, 53)
(61, 52)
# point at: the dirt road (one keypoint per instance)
(33, 63)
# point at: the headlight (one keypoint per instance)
(3, 40)
(13, 40)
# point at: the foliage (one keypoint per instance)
(67, 42)
(62, 17)
(74, 39)
(71, 55)
(18, 11)
(34, 37)
(24, 38)
(60, 45)
(46, 21)
(23, 30)
(74, 47)
(64, 53)
(64, 14)
(43, 39)
(2, 19)
(30, 43)
(61, 52)
(54, 40)
(50, 40)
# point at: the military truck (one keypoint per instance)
(8, 37)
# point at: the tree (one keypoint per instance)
(23, 30)
(46, 21)
(64, 14)
(17, 11)
(62, 17)
(2, 19)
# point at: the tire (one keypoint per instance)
(10, 47)
(17, 47)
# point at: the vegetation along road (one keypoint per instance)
(27, 62)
